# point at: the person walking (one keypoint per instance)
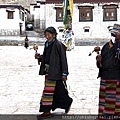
(109, 72)
(26, 42)
(55, 68)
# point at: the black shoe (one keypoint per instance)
(53, 109)
(68, 109)
(44, 116)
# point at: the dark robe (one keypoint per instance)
(110, 64)
(57, 63)
(55, 56)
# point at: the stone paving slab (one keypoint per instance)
(21, 86)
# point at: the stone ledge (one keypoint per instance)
(42, 41)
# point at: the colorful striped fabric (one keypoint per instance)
(109, 97)
(47, 96)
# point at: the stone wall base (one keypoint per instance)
(10, 32)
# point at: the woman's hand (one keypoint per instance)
(64, 78)
(37, 56)
(99, 58)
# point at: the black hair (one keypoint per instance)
(51, 30)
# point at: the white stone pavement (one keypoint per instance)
(21, 86)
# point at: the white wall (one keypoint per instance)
(51, 17)
(10, 26)
(42, 16)
(98, 27)
(9, 23)
(32, 12)
(37, 17)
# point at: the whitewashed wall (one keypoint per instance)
(37, 17)
(32, 11)
(10, 26)
(98, 28)
(42, 16)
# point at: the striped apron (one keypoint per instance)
(109, 98)
(47, 95)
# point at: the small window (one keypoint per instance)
(110, 13)
(10, 14)
(86, 30)
(61, 30)
(85, 13)
(59, 14)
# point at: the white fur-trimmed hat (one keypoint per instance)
(115, 29)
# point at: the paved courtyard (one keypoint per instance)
(21, 86)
